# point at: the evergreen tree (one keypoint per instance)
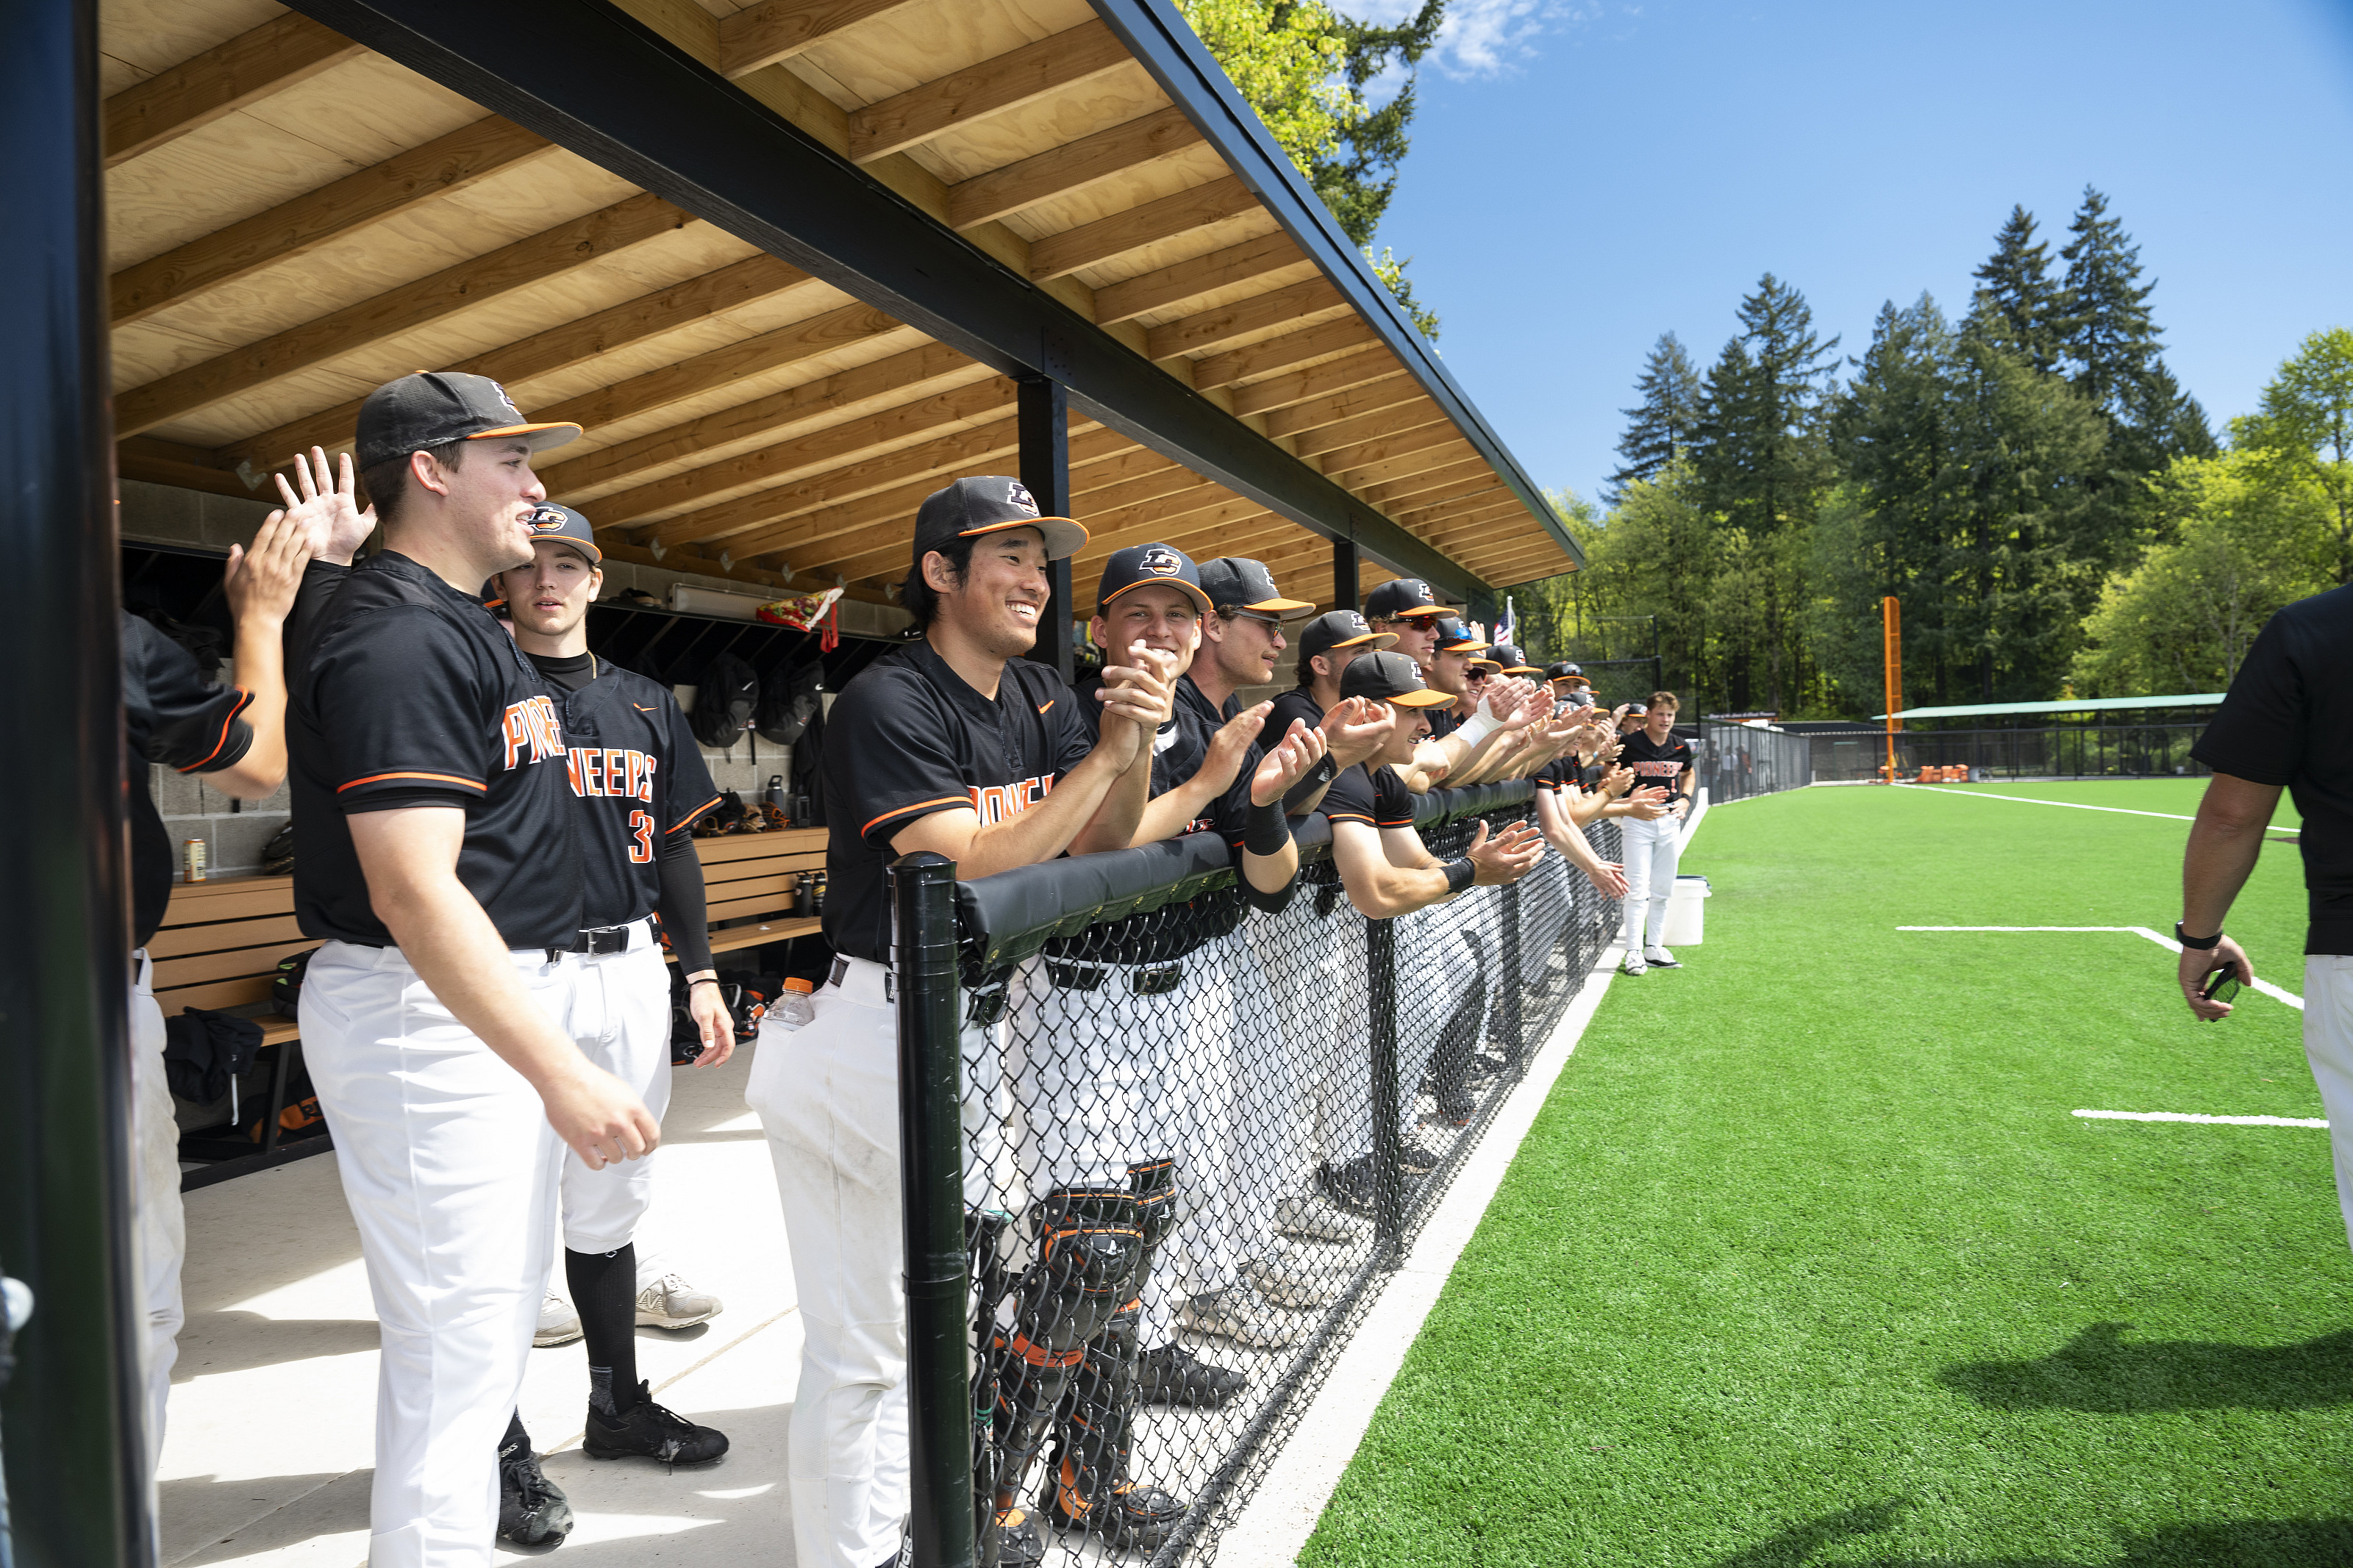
(2105, 327)
(1664, 418)
(2016, 281)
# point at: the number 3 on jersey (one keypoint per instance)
(641, 837)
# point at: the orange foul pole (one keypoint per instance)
(1891, 622)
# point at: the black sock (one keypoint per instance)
(605, 1294)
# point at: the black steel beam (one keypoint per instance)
(1344, 591)
(594, 80)
(1043, 422)
(75, 1455)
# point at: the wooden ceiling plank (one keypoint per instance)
(412, 305)
(1138, 525)
(161, 462)
(1021, 76)
(767, 35)
(1475, 496)
(917, 368)
(739, 283)
(1198, 206)
(264, 60)
(1183, 280)
(1072, 166)
(1210, 331)
(1320, 414)
(1280, 353)
(1416, 414)
(445, 164)
(795, 454)
(1342, 461)
(1384, 497)
(1494, 519)
(1402, 466)
(1280, 391)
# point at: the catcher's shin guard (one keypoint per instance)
(1089, 1241)
(1091, 1488)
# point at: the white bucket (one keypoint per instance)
(1687, 912)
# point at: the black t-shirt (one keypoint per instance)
(170, 714)
(1369, 793)
(910, 737)
(2288, 720)
(413, 693)
(634, 766)
(1443, 721)
(1298, 702)
(1656, 764)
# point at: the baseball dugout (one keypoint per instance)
(1160, 1146)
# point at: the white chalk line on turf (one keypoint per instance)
(2192, 1116)
(2166, 942)
(2073, 805)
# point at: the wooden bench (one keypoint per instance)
(222, 939)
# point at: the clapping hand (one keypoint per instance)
(1291, 760)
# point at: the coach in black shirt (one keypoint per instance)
(2286, 723)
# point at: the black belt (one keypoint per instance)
(598, 943)
(1155, 981)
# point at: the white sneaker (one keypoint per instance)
(1288, 1279)
(1310, 1218)
(1633, 966)
(669, 1302)
(1660, 958)
(558, 1323)
(1240, 1314)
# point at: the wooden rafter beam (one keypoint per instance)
(1137, 524)
(1198, 206)
(739, 283)
(1494, 520)
(1264, 256)
(534, 259)
(1319, 413)
(1072, 166)
(1388, 498)
(256, 63)
(292, 229)
(1394, 456)
(1350, 331)
(1021, 76)
(1309, 301)
(1278, 393)
(1346, 434)
(767, 34)
(1486, 533)
(1390, 470)
(1515, 552)
(1473, 496)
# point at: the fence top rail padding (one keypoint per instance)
(1011, 916)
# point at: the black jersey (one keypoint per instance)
(170, 714)
(413, 694)
(1443, 721)
(635, 767)
(1656, 764)
(1296, 703)
(1372, 794)
(910, 737)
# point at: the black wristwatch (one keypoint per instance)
(2193, 943)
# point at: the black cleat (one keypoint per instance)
(1018, 1544)
(646, 1431)
(1416, 1158)
(532, 1509)
(1349, 1188)
(1171, 1374)
(1137, 1514)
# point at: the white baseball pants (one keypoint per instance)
(2329, 1047)
(1315, 967)
(451, 1170)
(620, 1020)
(1652, 851)
(162, 1234)
(828, 1095)
(1434, 973)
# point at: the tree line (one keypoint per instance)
(2050, 509)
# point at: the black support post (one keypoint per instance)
(1043, 420)
(75, 1454)
(1380, 1000)
(1507, 1012)
(930, 1176)
(1344, 574)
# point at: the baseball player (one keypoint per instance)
(957, 745)
(1657, 756)
(638, 775)
(1388, 872)
(234, 739)
(438, 866)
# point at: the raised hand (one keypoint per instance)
(331, 512)
(1507, 856)
(261, 578)
(1293, 758)
(1137, 697)
(1356, 729)
(1229, 745)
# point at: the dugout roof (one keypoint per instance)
(785, 260)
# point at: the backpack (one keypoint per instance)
(724, 701)
(286, 986)
(787, 704)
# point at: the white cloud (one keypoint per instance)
(1484, 37)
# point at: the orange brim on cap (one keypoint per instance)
(1421, 610)
(1422, 699)
(1282, 606)
(1378, 640)
(1490, 663)
(1064, 537)
(542, 437)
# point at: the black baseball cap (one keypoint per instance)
(434, 407)
(561, 523)
(989, 504)
(1514, 661)
(1563, 669)
(1453, 637)
(1141, 564)
(1238, 582)
(1340, 628)
(1401, 596)
(1390, 677)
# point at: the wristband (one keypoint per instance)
(2193, 943)
(1266, 831)
(1476, 728)
(708, 977)
(1460, 874)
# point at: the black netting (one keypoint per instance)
(1196, 1136)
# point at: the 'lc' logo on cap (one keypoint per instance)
(1161, 562)
(1017, 494)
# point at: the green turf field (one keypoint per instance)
(1807, 1262)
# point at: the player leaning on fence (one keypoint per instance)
(957, 745)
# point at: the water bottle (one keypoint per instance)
(797, 1006)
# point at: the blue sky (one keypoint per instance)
(1585, 176)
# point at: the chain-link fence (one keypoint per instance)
(1736, 760)
(1193, 1135)
(2071, 750)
